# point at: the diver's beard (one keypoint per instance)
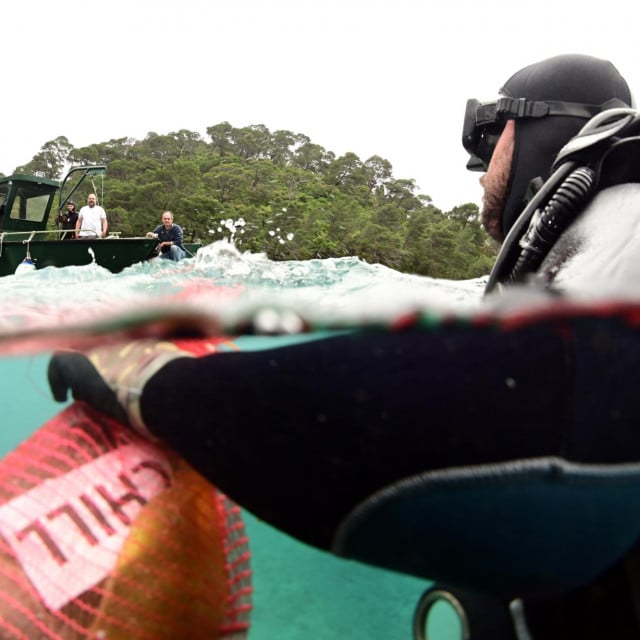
(490, 218)
(495, 184)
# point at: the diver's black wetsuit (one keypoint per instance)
(300, 435)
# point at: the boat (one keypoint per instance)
(28, 242)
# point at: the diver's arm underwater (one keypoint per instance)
(300, 435)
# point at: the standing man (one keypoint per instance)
(92, 220)
(170, 236)
(69, 219)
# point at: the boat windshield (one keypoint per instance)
(30, 204)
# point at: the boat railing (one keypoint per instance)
(48, 235)
(28, 236)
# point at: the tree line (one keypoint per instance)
(280, 194)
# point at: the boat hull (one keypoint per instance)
(114, 254)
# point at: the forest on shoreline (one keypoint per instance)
(277, 193)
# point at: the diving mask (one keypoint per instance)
(485, 121)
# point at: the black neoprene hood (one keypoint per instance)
(571, 78)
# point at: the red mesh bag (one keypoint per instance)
(106, 535)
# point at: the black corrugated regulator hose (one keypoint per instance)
(547, 224)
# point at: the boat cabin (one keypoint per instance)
(29, 242)
(25, 203)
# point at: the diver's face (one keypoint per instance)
(495, 182)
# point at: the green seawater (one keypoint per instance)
(300, 593)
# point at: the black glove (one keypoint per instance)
(111, 379)
(70, 371)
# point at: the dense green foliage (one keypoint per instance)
(280, 194)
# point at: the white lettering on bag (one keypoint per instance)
(68, 531)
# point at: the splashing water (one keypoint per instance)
(234, 287)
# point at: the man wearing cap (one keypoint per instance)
(68, 219)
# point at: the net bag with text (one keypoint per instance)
(106, 535)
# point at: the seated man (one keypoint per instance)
(170, 236)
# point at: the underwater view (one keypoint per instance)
(298, 592)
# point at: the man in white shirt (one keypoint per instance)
(92, 220)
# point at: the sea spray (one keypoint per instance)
(324, 292)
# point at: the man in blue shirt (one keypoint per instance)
(170, 236)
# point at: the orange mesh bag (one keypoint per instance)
(106, 535)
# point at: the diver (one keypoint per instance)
(518, 142)
(343, 442)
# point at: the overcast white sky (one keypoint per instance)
(385, 77)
